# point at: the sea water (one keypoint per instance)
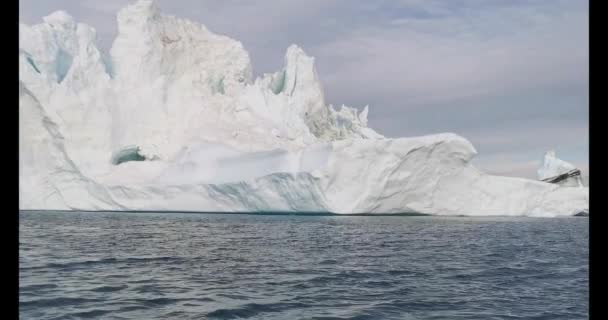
(76, 265)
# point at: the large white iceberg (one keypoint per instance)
(172, 119)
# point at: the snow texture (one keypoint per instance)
(172, 119)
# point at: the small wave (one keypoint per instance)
(89, 263)
(88, 314)
(34, 287)
(56, 302)
(252, 309)
(160, 301)
(109, 288)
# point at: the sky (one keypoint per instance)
(509, 75)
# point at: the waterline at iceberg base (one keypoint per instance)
(172, 120)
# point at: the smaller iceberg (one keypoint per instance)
(555, 170)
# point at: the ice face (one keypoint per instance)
(182, 99)
(278, 82)
(64, 61)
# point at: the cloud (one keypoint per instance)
(441, 59)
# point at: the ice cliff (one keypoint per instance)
(172, 119)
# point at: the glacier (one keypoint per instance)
(171, 118)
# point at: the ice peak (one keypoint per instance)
(144, 6)
(363, 115)
(60, 18)
(297, 56)
(140, 11)
(300, 70)
(295, 50)
(550, 154)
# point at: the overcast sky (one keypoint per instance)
(509, 75)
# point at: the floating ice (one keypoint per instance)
(172, 119)
(558, 171)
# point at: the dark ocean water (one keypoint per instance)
(206, 266)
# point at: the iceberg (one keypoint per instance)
(555, 170)
(172, 119)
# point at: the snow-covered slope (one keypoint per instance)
(172, 119)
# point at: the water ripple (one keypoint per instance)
(185, 266)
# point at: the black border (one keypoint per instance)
(10, 217)
(595, 211)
